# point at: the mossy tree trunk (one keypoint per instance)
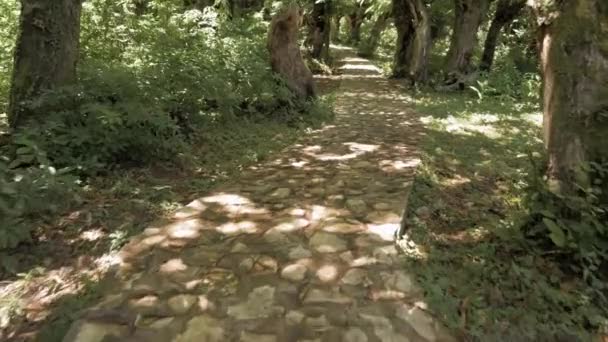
(413, 40)
(46, 52)
(371, 44)
(285, 56)
(506, 12)
(468, 16)
(573, 40)
(402, 20)
(319, 29)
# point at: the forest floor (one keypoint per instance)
(56, 274)
(290, 235)
(299, 247)
(296, 246)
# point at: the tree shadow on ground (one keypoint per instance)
(346, 180)
(76, 249)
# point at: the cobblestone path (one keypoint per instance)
(297, 248)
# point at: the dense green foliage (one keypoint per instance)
(150, 87)
(8, 32)
(485, 272)
(575, 227)
(27, 194)
(188, 93)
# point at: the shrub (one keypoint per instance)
(197, 65)
(506, 81)
(148, 86)
(100, 123)
(148, 82)
(30, 193)
(574, 227)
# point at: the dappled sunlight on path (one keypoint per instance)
(297, 248)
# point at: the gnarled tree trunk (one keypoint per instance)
(354, 25)
(46, 52)
(355, 20)
(319, 30)
(371, 44)
(467, 19)
(573, 39)
(285, 56)
(506, 12)
(413, 40)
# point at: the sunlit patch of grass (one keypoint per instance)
(479, 275)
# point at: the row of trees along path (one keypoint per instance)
(299, 248)
(573, 64)
(302, 247)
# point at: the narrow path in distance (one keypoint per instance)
(297, 248)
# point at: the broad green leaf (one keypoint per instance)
(24, 150)
(557, 234)
(547, 213)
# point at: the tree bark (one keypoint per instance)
(46, 52)
(573, 40)
(371, 44)
(413, 40)
(506, 12)
(319, 30)
(355, 20)
(467, 19)
(354, 23)
(285, 56)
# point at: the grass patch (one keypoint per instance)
(480, 275)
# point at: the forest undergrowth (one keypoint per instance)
(198, 91)
(500, 257)
(469, 240)
(507, 229)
